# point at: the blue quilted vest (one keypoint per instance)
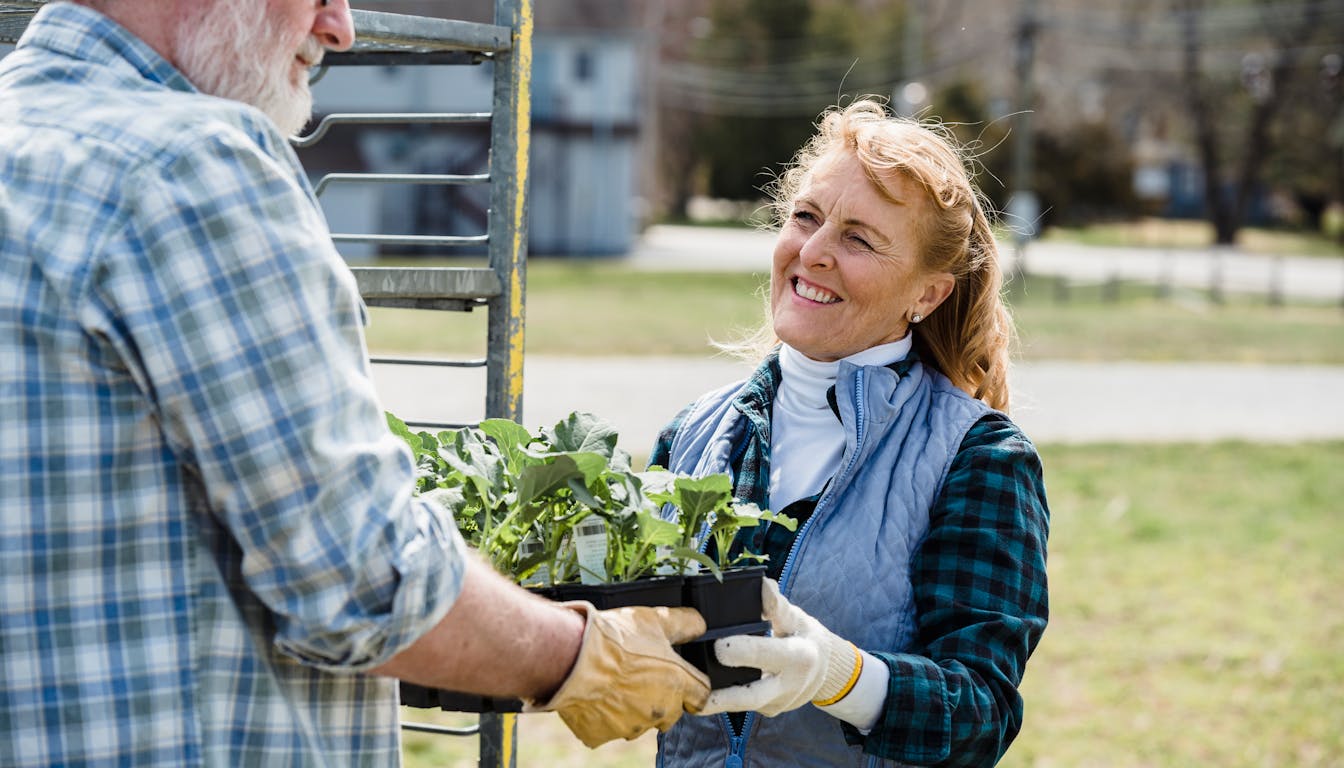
(850, 562)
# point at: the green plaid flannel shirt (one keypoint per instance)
(979, 578)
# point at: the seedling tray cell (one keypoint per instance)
(657, 591)
(420, 697)
(734, 601)
(700, 653)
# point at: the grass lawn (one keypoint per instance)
(1196, 611)
(605, 308)
(1132, 323)
(1196, 618)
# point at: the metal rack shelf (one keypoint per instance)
(453, 288)
(390, 38)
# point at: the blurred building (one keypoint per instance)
(587, 115)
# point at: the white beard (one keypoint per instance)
(233, 51)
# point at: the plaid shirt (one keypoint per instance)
(979, 578)
(206, 528)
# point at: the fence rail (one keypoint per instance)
(1217, 273)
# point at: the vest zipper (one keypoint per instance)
(829, 494)
(737, 745)
(737, 756)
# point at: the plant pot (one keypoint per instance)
(420, 697)
(664, 591)
(733, 602)
(700, 653)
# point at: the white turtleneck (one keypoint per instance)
(806, 442)
(806, 439)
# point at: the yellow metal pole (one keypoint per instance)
(511, 141)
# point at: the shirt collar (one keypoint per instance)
(82, 33)
(756, 397)
(806, 381)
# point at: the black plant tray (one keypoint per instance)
(700, 653)
(420, 697)
(733, 602)
(656, 591)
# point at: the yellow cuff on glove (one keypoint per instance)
(841, 675)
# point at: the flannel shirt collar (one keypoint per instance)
(758, 394)
(84, 34)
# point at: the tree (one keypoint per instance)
(750, 90)
(1266, 79)
(1080, 174)
(747, 137)
(1310, 161)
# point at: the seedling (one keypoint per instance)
(521, 499)
(705, 510)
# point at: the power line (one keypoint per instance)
(790, 80)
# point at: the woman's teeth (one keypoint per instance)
(814, 294)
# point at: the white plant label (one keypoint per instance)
(530, 545)
(590, 547)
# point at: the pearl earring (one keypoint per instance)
(915, 318)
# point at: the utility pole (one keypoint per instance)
(1023, 205)
(912, 93)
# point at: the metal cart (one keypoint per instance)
(387, 39)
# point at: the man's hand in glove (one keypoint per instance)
(627, 677)
(802, 662)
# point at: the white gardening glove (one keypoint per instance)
(802, 662)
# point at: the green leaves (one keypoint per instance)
(550, 475)
(582, 432)
(518, 498)
(700, 499)
(708, 509)
(509, 437)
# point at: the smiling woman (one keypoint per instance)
(847, 273)
(914, 589)
(923, 211)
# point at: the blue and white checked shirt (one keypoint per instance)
(206, 529)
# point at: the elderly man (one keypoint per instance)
(209, 550)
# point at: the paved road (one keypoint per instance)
(1055, 402)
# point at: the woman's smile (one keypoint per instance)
(813, 293)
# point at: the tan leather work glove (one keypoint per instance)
(627, 677)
